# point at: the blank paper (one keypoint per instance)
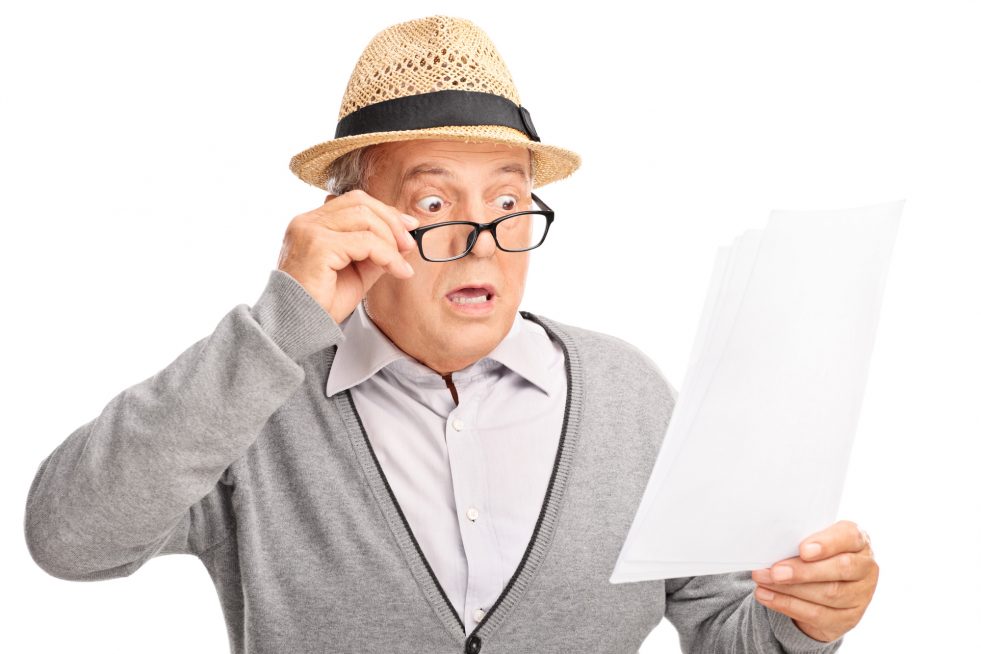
(755, 455)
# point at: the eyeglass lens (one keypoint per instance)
(516, 233)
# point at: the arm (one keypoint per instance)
(148, 476)
(718, 613)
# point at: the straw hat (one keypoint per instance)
(437, 77)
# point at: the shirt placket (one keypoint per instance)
(468, 472)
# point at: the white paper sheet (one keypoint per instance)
(755, 456)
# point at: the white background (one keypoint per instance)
(146, 192)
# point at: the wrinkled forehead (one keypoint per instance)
(410, 159)
(401, 166)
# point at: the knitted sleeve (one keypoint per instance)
(149, 475)
(719, 613)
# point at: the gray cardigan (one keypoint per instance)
(234, 454)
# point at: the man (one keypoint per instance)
(383, 453)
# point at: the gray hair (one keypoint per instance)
(353, 169)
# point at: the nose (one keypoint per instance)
(475, 210)
(485, 245)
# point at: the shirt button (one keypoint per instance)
(478, 615)
(472, 514)
(457, 424)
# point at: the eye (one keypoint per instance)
(430, 204)
(510, 202)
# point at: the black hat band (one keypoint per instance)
(437, 109)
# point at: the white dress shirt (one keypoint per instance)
(469, 477)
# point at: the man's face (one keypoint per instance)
(436, 181)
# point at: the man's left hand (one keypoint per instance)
(827, 588)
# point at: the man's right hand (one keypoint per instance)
(339, 250)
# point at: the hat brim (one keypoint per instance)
(551, 163)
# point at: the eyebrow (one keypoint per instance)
(433, 169)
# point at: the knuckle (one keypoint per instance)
(832, 591)
(298, 231)
(304, 216)
(810, 612)
(335, 261)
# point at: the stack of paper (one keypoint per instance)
(754, 458)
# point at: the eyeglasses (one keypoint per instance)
(515, 232)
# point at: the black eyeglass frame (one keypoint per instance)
(480, 227)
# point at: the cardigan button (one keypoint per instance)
(473, 645)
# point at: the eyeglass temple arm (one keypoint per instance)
(538, 201)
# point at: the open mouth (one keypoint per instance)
(472, 297)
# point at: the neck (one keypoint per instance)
(441, 363)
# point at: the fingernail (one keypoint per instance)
(764, 594)
(408, 268)
(811, 550)
(409, 220)
(783, 572)
(763, 576)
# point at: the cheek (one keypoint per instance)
(421, 289)
(515, 272)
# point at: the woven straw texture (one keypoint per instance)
(429, 54)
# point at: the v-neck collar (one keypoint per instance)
(544, 531)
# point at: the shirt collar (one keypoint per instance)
(365, 350)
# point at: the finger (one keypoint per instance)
(800, 609)
(358, 210)
(842, 536)
(395, 219)
(868, 543)
(834, 594)
(362, 217)
(850, 566)
(346, 247)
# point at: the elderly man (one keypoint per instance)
(384, 453)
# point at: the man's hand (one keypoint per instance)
(828, 587)
(340, 249)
